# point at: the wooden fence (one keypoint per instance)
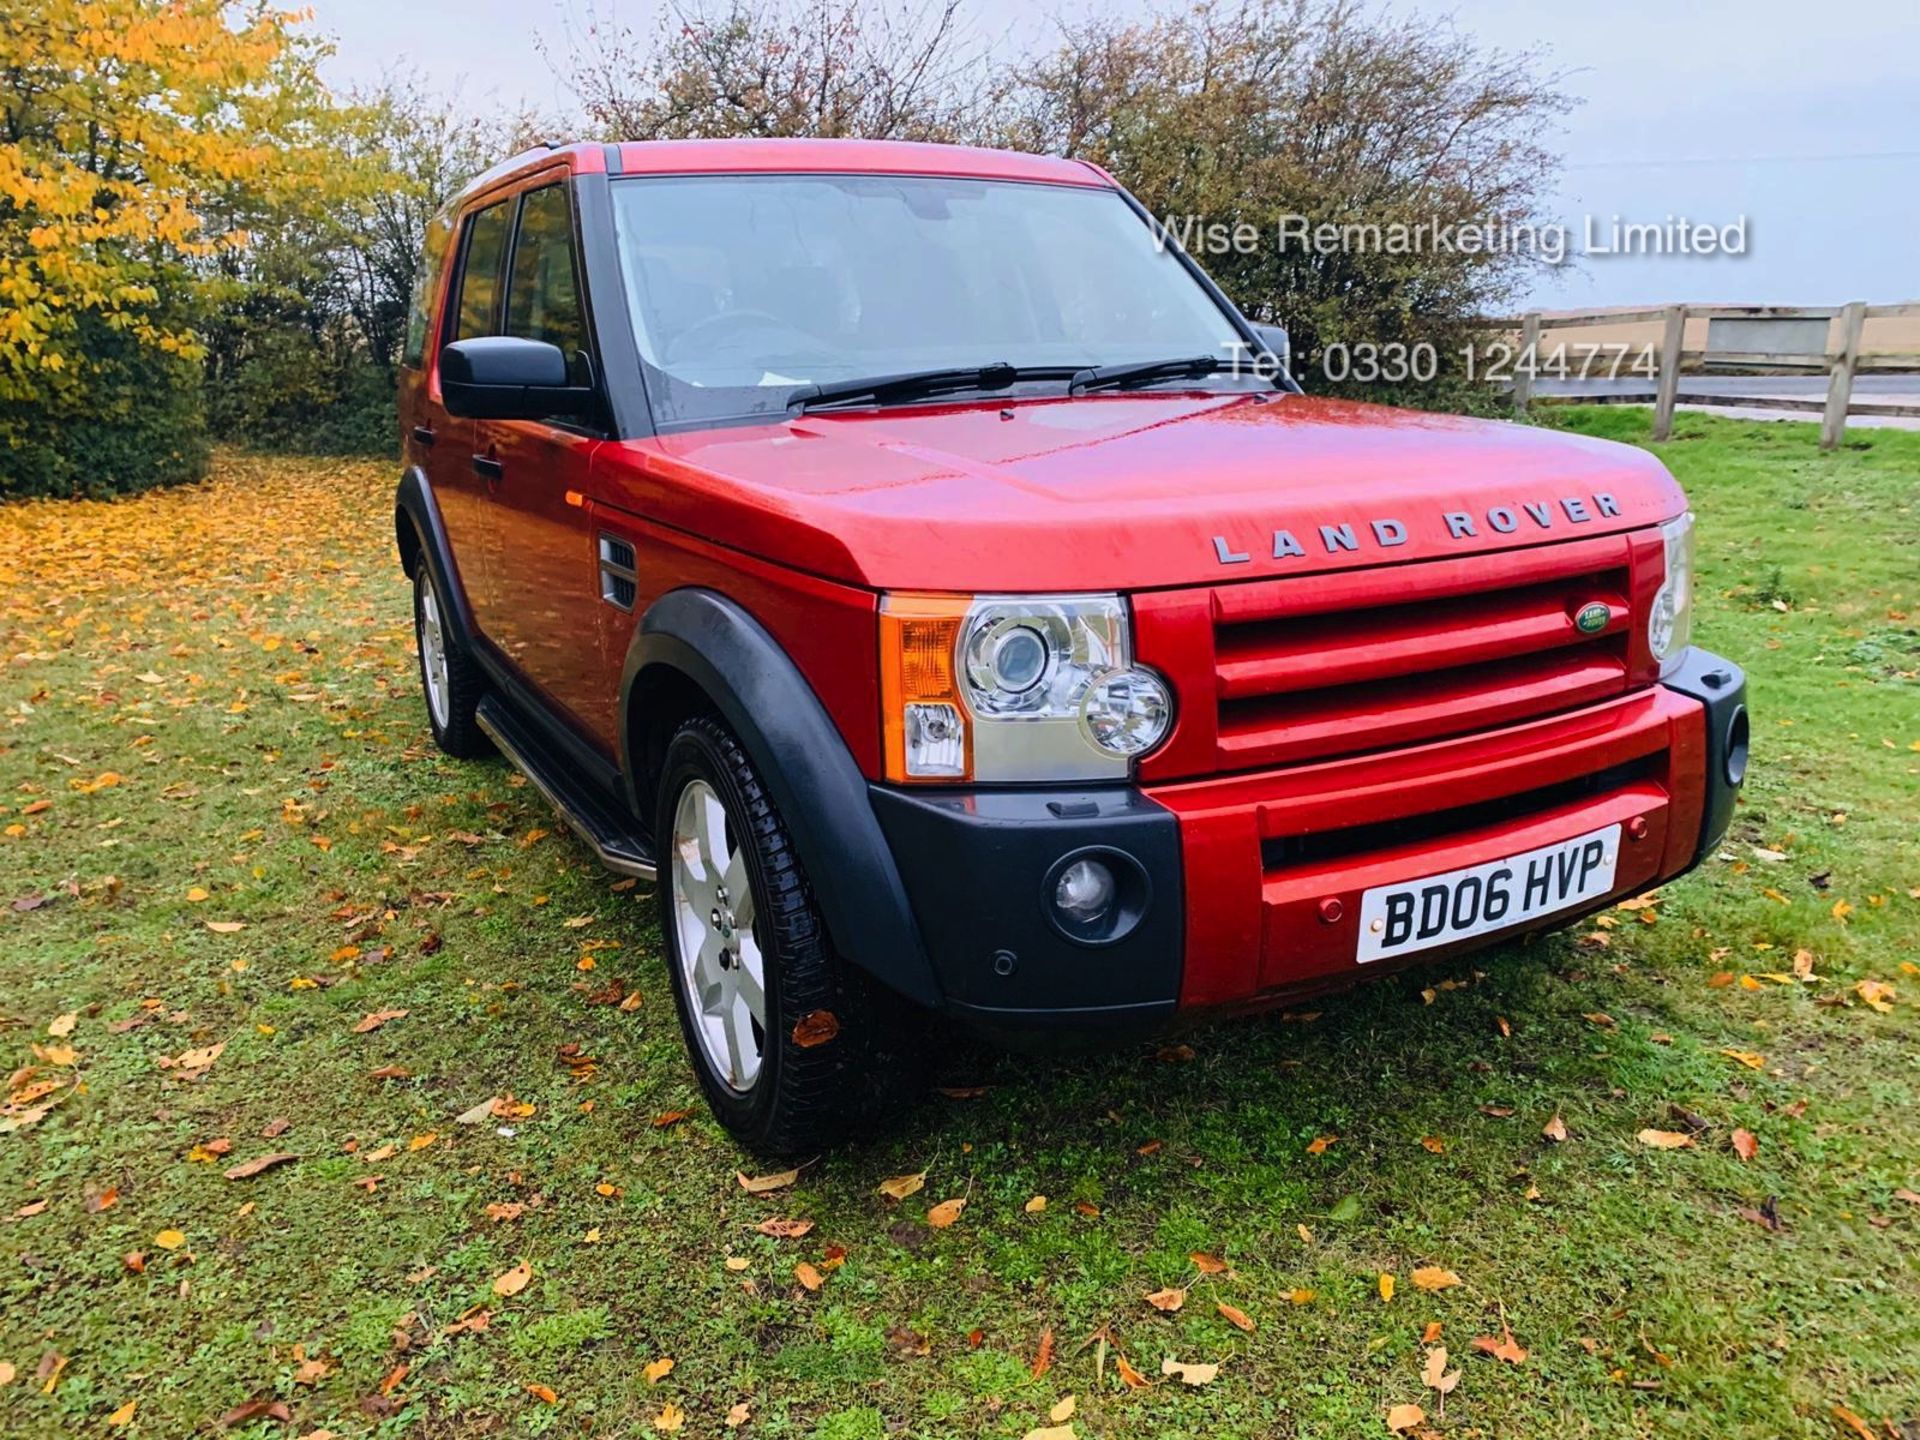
(1841, 365)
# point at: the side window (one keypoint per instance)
(480, 273)
(425, 283)
(543, 291)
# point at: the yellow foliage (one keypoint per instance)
(137, 134)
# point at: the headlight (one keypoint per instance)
(1670, 622)
(1003, 687)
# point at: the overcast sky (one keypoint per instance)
(1803, 120)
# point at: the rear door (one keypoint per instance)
(544, 590)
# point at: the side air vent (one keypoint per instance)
(617, 586)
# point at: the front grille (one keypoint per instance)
(1326, 845)
(1334, 665)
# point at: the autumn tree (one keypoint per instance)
(302, 349)
(1245, 114)
(131, 131)
(828, 68)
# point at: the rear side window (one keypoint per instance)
(426, 284)
(543, 291)
(480, 273)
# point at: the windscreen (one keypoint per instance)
(743, 288)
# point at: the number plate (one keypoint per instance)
(1416, 915)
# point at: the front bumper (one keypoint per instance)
(1253, 882)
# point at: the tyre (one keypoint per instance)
(794, 1048)
(448, 677)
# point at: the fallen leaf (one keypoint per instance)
(61, 1026)
(737, 1416)
(124, 1415)
(1051, 1432)
(1435, 1372)
(226, 927)
(1062, 1409)
(1035, 1205)
(265, 1162)
(1505, 1348)
(1431, 1333)
(1189, 1373)
(761, 1184)
(1433, 1144)
(376, 1019)
(1665, 1139)
(670, 1418)
(808, 1276)
(784, 1229)
(1207, 1264)
(1386, 1287)
(7, 1372)
(1320, 1144)
(1234, 1316)
(1745, 1144)
(1555, 1130)
(543, 1393)
(1168, 1300)
(899, 1187)
(1301, 1296)
(1402, 1418)
(945, 1213)
(512, 1282)
(1752, 1059)
(1907, 1195)
(170, 1239)
(1877, 993)
(1043, 1357)
(1129, 1376)
(657, 1370)
(1853, 1422)
(1432, 1277)
(816, 1028)
(669, 1117)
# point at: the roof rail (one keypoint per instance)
(507, 166)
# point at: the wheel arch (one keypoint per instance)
(696, 649)
(420, 535)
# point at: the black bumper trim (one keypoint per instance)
(975, 865)
(1721, 687)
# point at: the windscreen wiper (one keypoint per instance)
(1144, 372)
(910, 385)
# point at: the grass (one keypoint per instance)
(210, 692)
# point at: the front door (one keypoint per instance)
(444, 441)
(544, 605)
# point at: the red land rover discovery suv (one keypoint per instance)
(915, 558)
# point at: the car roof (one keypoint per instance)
(793, 156)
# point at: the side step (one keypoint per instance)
(602, 825)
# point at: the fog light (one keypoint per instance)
(1084, 893)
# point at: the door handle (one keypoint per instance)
(423, 434)
(488, 467)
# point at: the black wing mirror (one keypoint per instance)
(1274, 337)
(503, 377)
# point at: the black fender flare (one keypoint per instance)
(416, 511)
(806, 767)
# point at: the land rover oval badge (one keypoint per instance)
(1592, 617)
